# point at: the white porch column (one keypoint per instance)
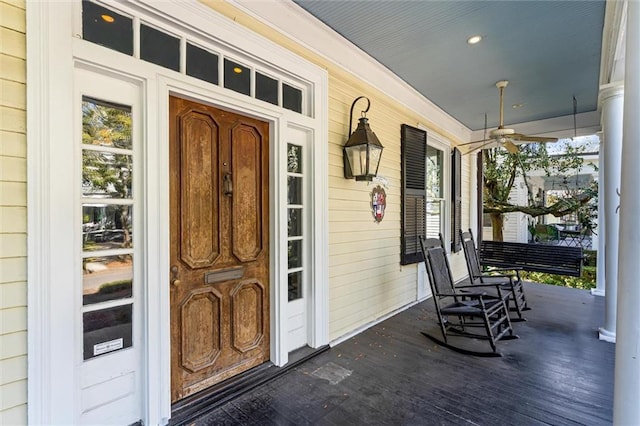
(600, 230)
(611, 100)
(626, 406)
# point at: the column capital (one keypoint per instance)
(610, 90)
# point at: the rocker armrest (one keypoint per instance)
(475, 295)
(497, 285)
(509, 276)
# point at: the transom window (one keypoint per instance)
(151, 43)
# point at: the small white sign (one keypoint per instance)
(104, 347)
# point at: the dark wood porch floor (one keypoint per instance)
(557, 373)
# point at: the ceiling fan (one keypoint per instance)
(502, 136)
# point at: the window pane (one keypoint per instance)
(291, 98)
(295, 254)
(434, 173)
(295, 285)
(294, 190)
(159, 48)
(294, 158)
(294, 222)
(105, 174)
(106, 278)
(107, 330)
(107, 28)
(434, 218)
(202, 64)
(237, 77)
(106, 226)
(106, 124)
(266, 89)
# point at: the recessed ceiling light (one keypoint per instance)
(237, 70)
(516, 106)
(107, 18)
(474, 39)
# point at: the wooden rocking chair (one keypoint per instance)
(464, 311)
(509, 279)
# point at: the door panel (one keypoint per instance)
(246, 305)
(199, 236)
(246, 206)
(200, 325)
(219, 245)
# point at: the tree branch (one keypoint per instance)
(559, 209)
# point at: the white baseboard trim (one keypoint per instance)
(362, 328)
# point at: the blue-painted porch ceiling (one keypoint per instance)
(548, 50)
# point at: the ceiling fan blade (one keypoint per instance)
(504, 137)
(478, 141)
(511, 147)
(475, 149)
(488, 144)
(524, 138)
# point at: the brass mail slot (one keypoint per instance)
(224, 275)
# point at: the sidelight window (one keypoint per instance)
(107, 227)
(295, 215)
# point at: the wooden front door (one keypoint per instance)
(219, 205)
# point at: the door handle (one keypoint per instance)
(174, 276)
(227, 185)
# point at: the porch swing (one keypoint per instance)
(547, 258)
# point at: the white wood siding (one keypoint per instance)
(515, 224)
(366, 280)
(13, 214)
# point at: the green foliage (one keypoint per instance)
(110, 291)
(501, 168)
(590, 258)
(586, 282)
(107, 173)
(106, 125)
(544, 233)
(115, 286)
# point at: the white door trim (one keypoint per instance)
(52, 373)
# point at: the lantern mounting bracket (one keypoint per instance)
(363, 112)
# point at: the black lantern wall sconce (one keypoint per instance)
(363, 150)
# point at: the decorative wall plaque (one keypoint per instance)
(378, 203)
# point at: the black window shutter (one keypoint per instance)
(456, 199)
(413, 151)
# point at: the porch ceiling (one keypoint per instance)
(548, 50)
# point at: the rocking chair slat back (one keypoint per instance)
(471, 314)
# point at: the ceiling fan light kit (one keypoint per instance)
(507, 138)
